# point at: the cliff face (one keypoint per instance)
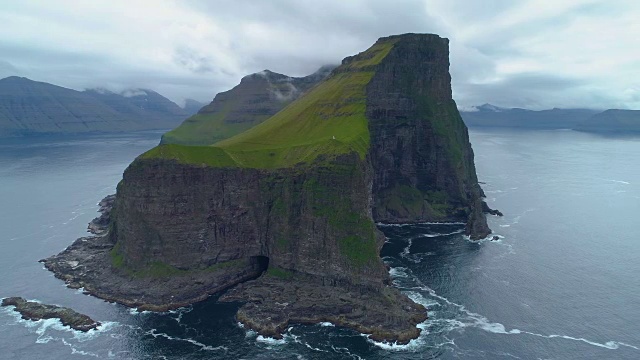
(294, 200)
(255, 99)
(421, 155)
(311, 219)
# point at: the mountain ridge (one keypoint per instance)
(612, 122)
(488, 115)
(29, 107)
(257, 97)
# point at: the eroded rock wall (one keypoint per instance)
(312, 220)
(422, 159)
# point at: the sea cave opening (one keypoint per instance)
(260, 263)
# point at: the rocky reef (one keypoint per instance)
(31, 310)
(283, 214)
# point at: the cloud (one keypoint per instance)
(7, 69)
(528, 85)
(133, 93)
(192, 60)
(539, 53)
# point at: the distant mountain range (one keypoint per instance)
(192, 106)
(587, 120)
(30, 107)
(613, 121)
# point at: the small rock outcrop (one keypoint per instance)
(31, 310)
(100, 225)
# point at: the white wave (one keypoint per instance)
(270, 340)
(74, 350)
(398, 272)
(413, 345)
(479, 321)
(326, 324)
(344, 350)
(135, 311)
(491, 238)
(611, 345)
(419, 223)
(407, 250)
(313, 348)
(73, 218)
(180, 312)
(418, 298)
(439, 234)
(202, 346)
(619, 181)
(104, 327)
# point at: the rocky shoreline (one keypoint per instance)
(270, 303)
(87, 264)
(100, 225)
(31, 310)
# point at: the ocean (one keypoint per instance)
(562, 281)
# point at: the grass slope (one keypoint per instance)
(329, 120)
(204, 129)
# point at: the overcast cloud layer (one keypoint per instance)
(526, 53)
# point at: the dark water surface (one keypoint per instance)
(561, 283)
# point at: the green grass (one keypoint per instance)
(197, 155)
(207, 129)
(225, 117)
(329, 120)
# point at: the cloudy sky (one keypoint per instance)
(514, 53)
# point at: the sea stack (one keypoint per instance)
(283, 214)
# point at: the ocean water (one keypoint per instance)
(562, 282)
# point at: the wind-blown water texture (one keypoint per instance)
(560, 283)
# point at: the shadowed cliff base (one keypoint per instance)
(380, 139)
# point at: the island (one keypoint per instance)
(32, 310)
(281, 217)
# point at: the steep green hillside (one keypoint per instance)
(257, 97)
(329, 120)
